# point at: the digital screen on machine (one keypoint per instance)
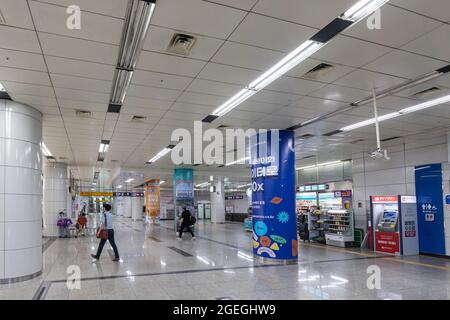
(390, 215)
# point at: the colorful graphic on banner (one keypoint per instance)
(273, 196)
(183, 192)
(430, 209)
(152, 200)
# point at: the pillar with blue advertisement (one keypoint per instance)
(183, 192)
(273, 196)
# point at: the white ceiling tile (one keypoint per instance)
(438, 9)
(85, 84)
(339, 93)
(404, 64)
(267, 96)
(205, 99)
(245, 56)
(432, 44)
(152, 92)
(398, 27)
(88, 96)
(366, 80)
(322, 105)
(31, 100)
(230, 74)
(96, 27)
(256, 106)
(78, 68)
(213, 87)
(198, 17)
(317, 13)
(165, 63)
(159, 39)
(29, 89)
(66, 47)
(23, 60)
(114, 8)
(267, 32)
(295, 85)
(25, 76)
(19, 39)
(151, 113)
(361, 52)
(240, 4)
(147, 103)
(192, 108)
(84, 105)
(161, 80)
(16, 13)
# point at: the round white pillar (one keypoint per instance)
(20, 192)
(127, 207)
(218, 203)
(56, 191)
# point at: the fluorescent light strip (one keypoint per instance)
(45, 151)
(287, 63)
(129, 180)
(103, 148)
(362, 9)
(320, 165)
(162, 182)
(418, 107)
(160, 154)
(357, 12)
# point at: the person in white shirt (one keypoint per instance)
(107, 224)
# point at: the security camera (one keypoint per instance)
(379, 154)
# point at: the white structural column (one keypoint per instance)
(56, 189)
(136, 208)
(218, 202)
(20, 192)
(127, 207)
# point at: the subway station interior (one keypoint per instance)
(224, 150)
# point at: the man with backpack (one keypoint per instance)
(187, 220)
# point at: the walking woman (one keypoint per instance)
(106, 224)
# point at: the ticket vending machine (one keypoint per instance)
(393, 225)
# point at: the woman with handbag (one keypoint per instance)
(106, 232)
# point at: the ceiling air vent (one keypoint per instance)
(83, 113)
(318, 71)
(222, 126)
(181, 44)
(356, 141)
(424, 93)
(138, 118)
(308, 157)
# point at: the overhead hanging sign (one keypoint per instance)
(96, 194)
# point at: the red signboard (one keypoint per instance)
(384, 199)
(388, 242)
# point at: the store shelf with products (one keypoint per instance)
(317, 225)
(340, 230)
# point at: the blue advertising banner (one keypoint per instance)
(430, 209)
(273, 195)
(183, 192)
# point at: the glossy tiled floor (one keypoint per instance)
(219, 264)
